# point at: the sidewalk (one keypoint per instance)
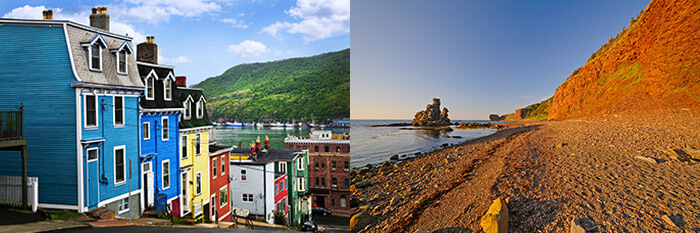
(42, 226)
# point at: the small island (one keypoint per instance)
(433, 119)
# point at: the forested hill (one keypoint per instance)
(297, 89)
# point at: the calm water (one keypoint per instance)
(231, 136)
(371, 145)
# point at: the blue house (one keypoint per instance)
(80, 88)
(160, 119)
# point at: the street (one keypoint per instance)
(138, 229)
(333, 224)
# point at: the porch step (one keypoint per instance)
(150, 212)
(101, 213)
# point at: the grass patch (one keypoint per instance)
(64, 215)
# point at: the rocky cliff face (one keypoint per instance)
(653, 63)
(432, 116)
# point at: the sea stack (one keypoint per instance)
(432, 116)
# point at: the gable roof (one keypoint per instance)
(186, 93)
(160, 73)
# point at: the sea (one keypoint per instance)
(374, 145)
(232, 136)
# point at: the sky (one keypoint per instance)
(478, 57)
(203, 38)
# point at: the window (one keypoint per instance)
(347, 182)
(223, 164)
(146, 130)
(305, 148)
(90, 111)
(334, 182)
(333, 165)
(149, 87)
(166, 174)
(198, 183)
(167, 89)
(315, 149)
(223, 196)
(165, 130)
(316, 165)
(277, 189)
(213, 167)
(283, 167)
(184, 146)
(96, 56)
(327, 148)
(123, 205)
(197, 144)
(200, 109)
(244, 175)
(284, 187)
(323, 181)
(301, 185)
(188, 112)
(346, 166)
(122, 62)
(343, 201)
(281, 188)
(118, 102)
(119, 166)
(92, 154)
(317, 183)
(337, 149)
(300, 163)
(247, 197)
(333, 201)
(323, 166)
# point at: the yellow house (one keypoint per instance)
(194, 155)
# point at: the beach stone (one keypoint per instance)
(395, 201)
(362, 184)
(420, 231)
(646, 159)
(360, 221)
(394, 157)
(426, 167)
(669, 221)
(496, 218)
(576, 226)
(560, 145)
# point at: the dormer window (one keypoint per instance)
(199, 109)
(188, 107)
(122, 58)
(167, 88)
(150, 87)
(96, 57)
(94, 52)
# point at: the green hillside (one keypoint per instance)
(297, 89)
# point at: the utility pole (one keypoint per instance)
(129, 197)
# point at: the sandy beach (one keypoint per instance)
(612, 172)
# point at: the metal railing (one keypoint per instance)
(11, 124)
(11, 191)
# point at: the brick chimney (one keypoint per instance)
(147, 51)
(99, 18)
(47, 14)
(181, 81)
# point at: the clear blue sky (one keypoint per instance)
(479, 57)
(203, 38)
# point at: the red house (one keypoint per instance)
(281, 194)
(218, 168)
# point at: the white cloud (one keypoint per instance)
(182, 59)
(156, 11)
(177, 60)
(235, 23)
(81, 17)
(249, 48)
(320, 19)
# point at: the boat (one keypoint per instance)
(234, 124)
(276, 124)
(259, 125)
(289, 125)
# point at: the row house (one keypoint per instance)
(80, 87)
(219, 199)
(160, 114)
(269, 181)
(329, 169)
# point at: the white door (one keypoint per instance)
(185, 205)
(148, 183)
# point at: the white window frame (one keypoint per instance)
(90, 57)
(151, 78)
(126, 62)
(163, 169)
(300, 164)
(121, 204)
(87, 154)
(214, 166)
(146, 132)
(114, 112)
(184, 143)
(188, 110)
(199, 109)
(300, 184)
(164, 136)
(198, 140)
(248, 196)
(97, 112)
(167, 89)
(223, 165)
(114, 163)
(240, 175)
(283, 167)
(225, 188)
(198, 183)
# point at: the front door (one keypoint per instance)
(93, 177)
(148, 183)
(212, 203)
(185, 198)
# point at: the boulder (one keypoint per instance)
(360, 221)
(394, 157)
(432, 116)
(576, 226)
(496, 117)
(496, 218)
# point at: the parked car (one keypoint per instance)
(309, 226)
(321, 211)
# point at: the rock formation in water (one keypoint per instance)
(432, 116)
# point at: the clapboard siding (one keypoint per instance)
(166, 150)
(35, 69)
